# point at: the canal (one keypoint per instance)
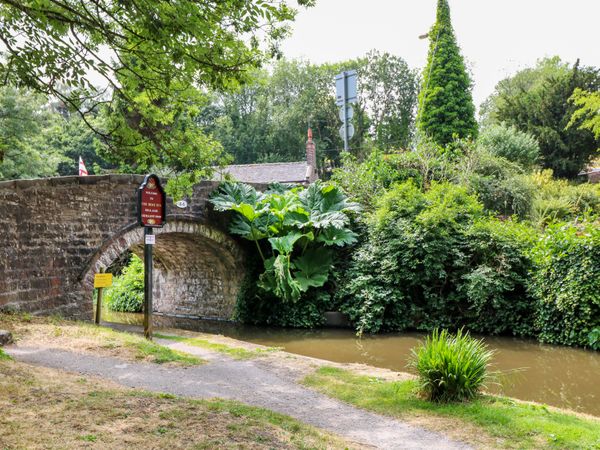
(559, 376)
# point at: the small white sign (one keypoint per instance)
(150, 239)
(181, 204)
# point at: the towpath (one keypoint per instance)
(248, 381)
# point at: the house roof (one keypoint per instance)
(286, 172)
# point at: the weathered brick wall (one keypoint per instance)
(56, 233)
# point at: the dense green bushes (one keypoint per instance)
(566, 283)
(505, 188)
(437, 258)
(431, 254)
(127, 291)
(433, 259)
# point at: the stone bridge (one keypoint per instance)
(56, 233)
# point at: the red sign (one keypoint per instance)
(151, 203)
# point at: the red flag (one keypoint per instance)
(82, 170)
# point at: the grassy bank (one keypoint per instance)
(232, 351)
(55, 332)
(489, 421)
(71, 411)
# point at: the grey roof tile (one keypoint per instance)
(285, 172)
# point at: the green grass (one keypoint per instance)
(234, 352)
(516, 424)
(60, 333)
(4, 356)
(144, 348)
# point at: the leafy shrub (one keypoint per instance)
(498, 183)
(399, 277)
(451, 367)
(566, 283)
(255, 306)
(558, 200)
(127, 291)
(495, 278)
(510, 143)
(510, 196)
(433, 259)
(300, 225)
(365, 181)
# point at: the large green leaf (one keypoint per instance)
(278, 279)
(326, 198)
(335, 200)
(327, 205)
(311, 198)
(336, 219)
(248, 211)
(285, 244)
(231, 194)
(298, 218)
(337, 236)
(312, 268)
(251, 230)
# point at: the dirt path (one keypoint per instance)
(247, 381)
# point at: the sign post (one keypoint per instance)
(101, 280)
(152, 203)
(345, 87)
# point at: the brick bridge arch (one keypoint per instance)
(56, 233)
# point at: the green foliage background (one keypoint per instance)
(456, 239)
(566, 283)
(127, 292)
(538, 101)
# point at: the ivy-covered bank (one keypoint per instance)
(430, 246)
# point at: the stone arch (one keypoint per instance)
(198, 269)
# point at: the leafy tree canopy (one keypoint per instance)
(588, 112)
(26, 124)
(446, 109)
(536, 101)
(150, 55)
(266, 120)
(388, 92)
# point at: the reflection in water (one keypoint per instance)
(559, 376)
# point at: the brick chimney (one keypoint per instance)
(311, 157)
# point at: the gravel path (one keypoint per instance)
(249, 383)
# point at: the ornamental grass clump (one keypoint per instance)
(451, 367)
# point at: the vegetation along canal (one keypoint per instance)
(559, 376)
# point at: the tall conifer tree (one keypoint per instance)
(446, 105)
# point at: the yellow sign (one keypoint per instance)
(102, 280)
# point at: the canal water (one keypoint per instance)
(559, 376)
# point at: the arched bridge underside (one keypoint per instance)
(57, 233)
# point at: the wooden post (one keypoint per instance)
(152, 202)
(147, 284)
(99, 302)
